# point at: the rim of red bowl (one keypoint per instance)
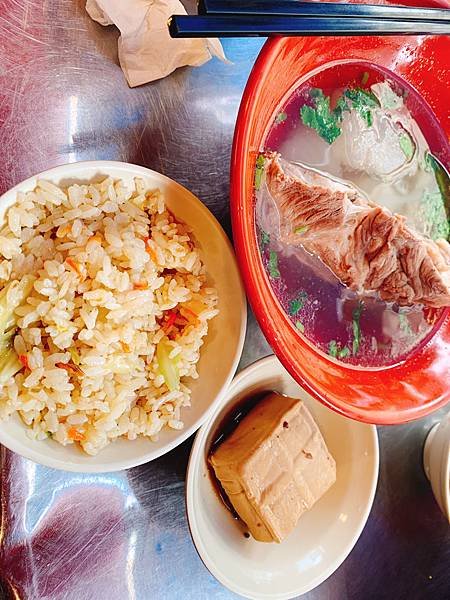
(391, 395)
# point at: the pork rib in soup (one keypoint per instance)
(367, 248)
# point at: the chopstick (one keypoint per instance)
(319, 9)
(242, 25)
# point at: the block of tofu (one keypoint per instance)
(274, 466)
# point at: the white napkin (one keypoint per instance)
(146, 50)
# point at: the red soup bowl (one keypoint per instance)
(390, 395)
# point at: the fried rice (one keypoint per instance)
(116, 308)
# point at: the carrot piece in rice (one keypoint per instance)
(73, 265)
(75, 434)
(23, 359)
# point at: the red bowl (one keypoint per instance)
(390, 395)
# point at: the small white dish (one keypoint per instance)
(220, 353)
(324, 536)
(436, 463)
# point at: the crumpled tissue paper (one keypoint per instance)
(146, 50)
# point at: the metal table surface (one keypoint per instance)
(124, 536)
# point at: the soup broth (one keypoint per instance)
(356, 123)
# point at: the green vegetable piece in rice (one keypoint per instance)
(9, 365)
(11, 297)
(76, 358)
(6, 340)
(168, 366)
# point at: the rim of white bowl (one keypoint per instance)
(191, 477)
(75, 169)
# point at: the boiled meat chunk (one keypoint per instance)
(367, 247)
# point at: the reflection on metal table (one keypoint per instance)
(68, 536)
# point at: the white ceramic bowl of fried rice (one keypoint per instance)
(135, 321)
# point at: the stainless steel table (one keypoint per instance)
(124, 536)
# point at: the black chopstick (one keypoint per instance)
(186, 26)
(319, 9)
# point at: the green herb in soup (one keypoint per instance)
(327, 122)
(319, 116)
(265, 239)
(259, 172)
(273, 265)
(362, 101)
(433, 211)
(298, 303)
(405, 327)
(357, 327)
(441, 175)
(335, 350)
(281, 116)
(299, 325)
(407, 145)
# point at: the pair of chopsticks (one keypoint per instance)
(243, 18)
